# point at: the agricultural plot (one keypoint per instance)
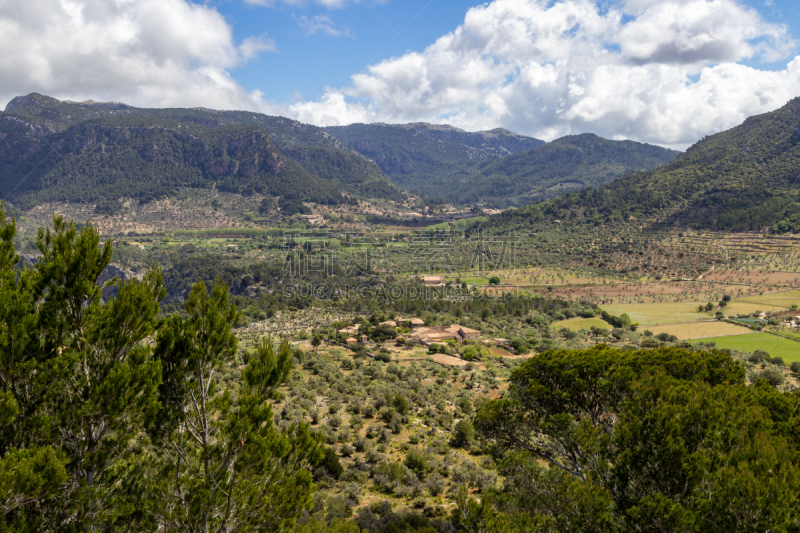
(756, 277)
(776, 346)
(659, 313)
(701, 330)
(527, 276)
(576, 324)
(775, 301)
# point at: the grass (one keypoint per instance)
(789, 350)
(576, 324)
(657, 313)
(473, 280)
(701, 330)
(664, 313)
(770, 302)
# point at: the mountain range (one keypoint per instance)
(495, 165)
(85, 152)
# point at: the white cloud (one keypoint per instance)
(659, 71)
(329, 4)
(120, 50)
(321, 23)
(664, 72)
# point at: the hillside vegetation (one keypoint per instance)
(741, 179)
(495, 165)
(572, 162)
(427, 158)
(84, 152)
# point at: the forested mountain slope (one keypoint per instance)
(572, 162)
(495, 165)
(429, 158)
(88, 151)
(744, 178)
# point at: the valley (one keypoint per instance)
(328, 244)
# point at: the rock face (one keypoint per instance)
(498, 141)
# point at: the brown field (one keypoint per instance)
(755, 277)
(701, 330)
(642, 292)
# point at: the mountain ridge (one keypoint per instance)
(30, 123)
(743, 178)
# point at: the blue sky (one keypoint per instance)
(665, 72)
(305, 64)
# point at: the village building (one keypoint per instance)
(412, 323)
(351, 340)
(314, 220)
(350, 329)
(433, 334)
(389, 323)
(433, 281)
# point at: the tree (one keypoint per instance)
(82, 379)
(659, 440)
(225, 466)
(31, 469)
(494, 280)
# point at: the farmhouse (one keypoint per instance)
(433, 281)
(413, 323)
(434, 334)
(314, 219)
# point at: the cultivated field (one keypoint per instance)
(774, 301)
(776, 346)
(576, 324)
(701, 330)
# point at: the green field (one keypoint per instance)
(775, 300)
(659, 313)
(663, 313)
(789, 350)
(576, 324)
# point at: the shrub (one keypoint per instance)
(329, 465)
(758, 356)
(795, 367)
(777, 361)
(463, 434)
(419, 463)
(773, 377)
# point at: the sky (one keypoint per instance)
(665, 72)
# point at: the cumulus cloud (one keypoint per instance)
(321, 24)
(660, 71)
(148, 52)
(329, 4)
(665, 72)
